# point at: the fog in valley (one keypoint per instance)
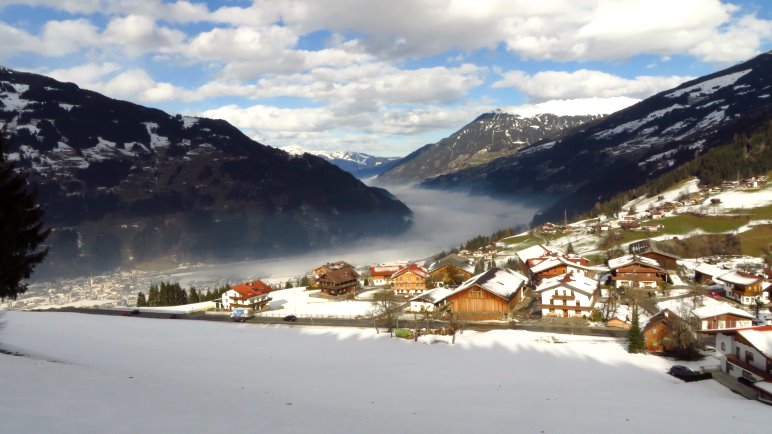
(442, 220)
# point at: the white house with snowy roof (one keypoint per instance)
(748, 353)
(569, 295)
(429, 300)
(744, 288)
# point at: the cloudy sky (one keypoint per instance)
(378, 76)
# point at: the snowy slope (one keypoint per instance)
(626, 149)
(357, 163)
(126, 375)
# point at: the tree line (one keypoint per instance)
(172, 294)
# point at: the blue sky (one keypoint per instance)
(376, 76)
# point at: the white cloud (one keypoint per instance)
(84, 75)
(548, 85)
(571, 107)
(740, 40)
(140, 34)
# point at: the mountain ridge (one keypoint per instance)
(627, 148)
(123, 183)
(488, 137)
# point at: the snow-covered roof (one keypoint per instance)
(433, 296)
(631, 259)
(577, 282)
(764, 385)
(719, 308)
(536, 251)
(711, 270)
(502, 282)
(760, 338)
(413, 268)
(739, 278)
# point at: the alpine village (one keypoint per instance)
(658, 233)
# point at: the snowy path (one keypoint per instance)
(129, 375)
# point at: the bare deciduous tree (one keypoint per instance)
(386, 308)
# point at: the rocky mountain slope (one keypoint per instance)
(626, 149)
(490, 136)
(358, 164)
(126, 184)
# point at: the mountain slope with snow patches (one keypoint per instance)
(628, 148)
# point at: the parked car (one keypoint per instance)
(715, 295)
(745, 380)
(290, 318)
(241, 315)
(687, 374)
(134, 312)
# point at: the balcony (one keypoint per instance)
(563, 297)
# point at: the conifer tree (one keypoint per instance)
(21, 230)
(193, 295)
(153, 296)
(635, 341)
(141, 301)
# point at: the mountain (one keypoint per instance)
(628, 148)
(358, 164)
(126, 184)
(490, 136)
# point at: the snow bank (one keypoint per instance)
(119, 374)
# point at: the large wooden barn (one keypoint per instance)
(490, 295)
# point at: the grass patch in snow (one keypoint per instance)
(756, 241)
(711, 224)
(760, 213)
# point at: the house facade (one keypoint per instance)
(748, 353)
(547, 267)
(429, 300)
(570, 295)
(720, 316)
(409, 280)
(338, 281)
(250, 295)
(380, 275)
(744, 288)
(656, 331)
(635, 272)
(653, 250)
(489, 295)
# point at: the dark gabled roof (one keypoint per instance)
(666, 316)
(646, 246)
(340, 275)
(453, 259)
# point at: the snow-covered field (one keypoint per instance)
(298, 301)
(88, 373)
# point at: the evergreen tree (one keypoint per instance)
(153, 296)
(208, 296)
(288, 285)
(304, 281)
(570, 249)
(21, 230)
(479, 267)
(635, 341)
(193, 295)
(141, 301)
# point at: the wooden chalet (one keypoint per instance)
(744, 288)
(338, 280)
(656, 331)
(653, 250)
(635, 272)
(720, 316)
(324, 268)
(489, 295)
(452, 269)
(537, 251)
(569, 295)
(747, 353)
(409, 280)
(250, 295)
(546, 267)
(380, 275)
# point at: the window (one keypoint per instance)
(723, 346)
(748, 357)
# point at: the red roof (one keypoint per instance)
(414, 268)
(251, 289)
(383, 270)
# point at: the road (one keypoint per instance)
(341, 322)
